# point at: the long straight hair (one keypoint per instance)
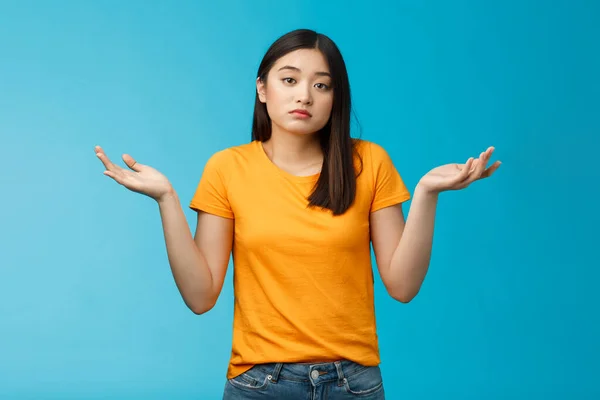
(336, 187)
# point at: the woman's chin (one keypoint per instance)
(305, 130)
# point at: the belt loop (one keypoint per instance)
(276, 371)
(340, 373)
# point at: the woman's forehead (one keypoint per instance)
(308, 61)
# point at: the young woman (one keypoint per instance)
(299, 207)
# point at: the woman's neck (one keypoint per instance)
(293, 148)
(293, 152)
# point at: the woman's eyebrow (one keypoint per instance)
(296, 69)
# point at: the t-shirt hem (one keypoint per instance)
(235, 370)
(211, 210)
(390, 201)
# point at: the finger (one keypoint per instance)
(99, 150)
(471, 173)
(131, 163)
(117, 177)
(464, 173)
(488, 172)
(121, 177)
(485, 158)
(481, 164)
(488, 154)
(485, 155)
(104, 158)
(474, 165)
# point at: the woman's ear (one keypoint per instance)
(261, 90)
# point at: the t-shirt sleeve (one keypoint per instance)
(211, 194)
(388, 184)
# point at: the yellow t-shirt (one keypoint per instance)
(303, 279)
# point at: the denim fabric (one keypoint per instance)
(340, 380)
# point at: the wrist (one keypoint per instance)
(167, 197)
(422, 190)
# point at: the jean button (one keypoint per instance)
(314, 374)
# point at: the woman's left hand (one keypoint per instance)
(459, 176)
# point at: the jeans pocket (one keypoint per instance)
(252, 379)
(364, 382)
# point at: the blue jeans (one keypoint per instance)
(340, 380)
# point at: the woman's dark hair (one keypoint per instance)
(336, 187)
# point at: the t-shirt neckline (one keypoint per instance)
(295, 178)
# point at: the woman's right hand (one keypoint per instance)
(140, 178)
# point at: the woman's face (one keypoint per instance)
(300, 80)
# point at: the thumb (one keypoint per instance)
(131, 163)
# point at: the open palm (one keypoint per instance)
(459, 176)
(138, 178)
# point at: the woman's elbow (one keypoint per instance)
(201, 307)
(403, 296)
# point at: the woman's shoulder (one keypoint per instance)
(369, 149)
(234, 153)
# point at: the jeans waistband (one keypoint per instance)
(329, 371)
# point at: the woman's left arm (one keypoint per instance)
(403, 250)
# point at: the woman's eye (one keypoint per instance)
(322, 86)
(289, 80)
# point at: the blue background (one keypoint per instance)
(88, 306)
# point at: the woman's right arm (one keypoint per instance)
(199, 263)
